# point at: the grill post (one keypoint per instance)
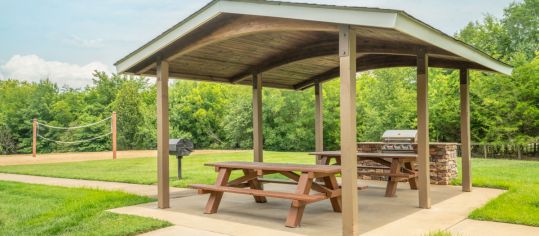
(179, 166)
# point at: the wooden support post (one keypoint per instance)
(423, 152)
(465, 130)
(114, 135)
(34, 138)
(319, 120)
(257, 119)
(163, 197)
(347, 57)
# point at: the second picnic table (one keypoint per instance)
(401, 166)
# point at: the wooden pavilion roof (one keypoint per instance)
(294, 45)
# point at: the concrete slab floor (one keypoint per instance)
(378, 215)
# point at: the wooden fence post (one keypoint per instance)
(114, 135)
(34, 138)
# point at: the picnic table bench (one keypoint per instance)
(400, 165)
(250, 184)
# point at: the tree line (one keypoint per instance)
(504, 109)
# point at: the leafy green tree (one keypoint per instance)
(514, 38)
(128, 109)
(521, 21)
(238, 123)
(7, 141)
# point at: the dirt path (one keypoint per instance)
(25, 159)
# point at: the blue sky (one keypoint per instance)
(65, 40)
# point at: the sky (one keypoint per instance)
(66, 40)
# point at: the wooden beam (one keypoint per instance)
(423, 153)
(377, 61)
(465, 130)
(163, 195)
(319, 120)
(374, 62)
(146, 69)
(347, 60)
(214, 79)
(257, 119)
(198, 77)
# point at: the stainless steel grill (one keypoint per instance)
(400, 141)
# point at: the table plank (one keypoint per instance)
(367, 154)
(325, 169)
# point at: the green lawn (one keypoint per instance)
(520, 204)
(28, 209)
(143, 170)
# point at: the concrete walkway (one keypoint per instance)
(181, 230)
(138, 189)
(474, 227)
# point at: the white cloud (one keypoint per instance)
(33, 68)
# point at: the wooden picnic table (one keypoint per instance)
(250, 184)
(400, 165)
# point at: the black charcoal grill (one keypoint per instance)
(399, 141)
(180, 148)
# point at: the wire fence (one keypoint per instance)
(41, 124)
(74, 127)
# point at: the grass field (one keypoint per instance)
(143, 170)
(519, 205)
(28, 209)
